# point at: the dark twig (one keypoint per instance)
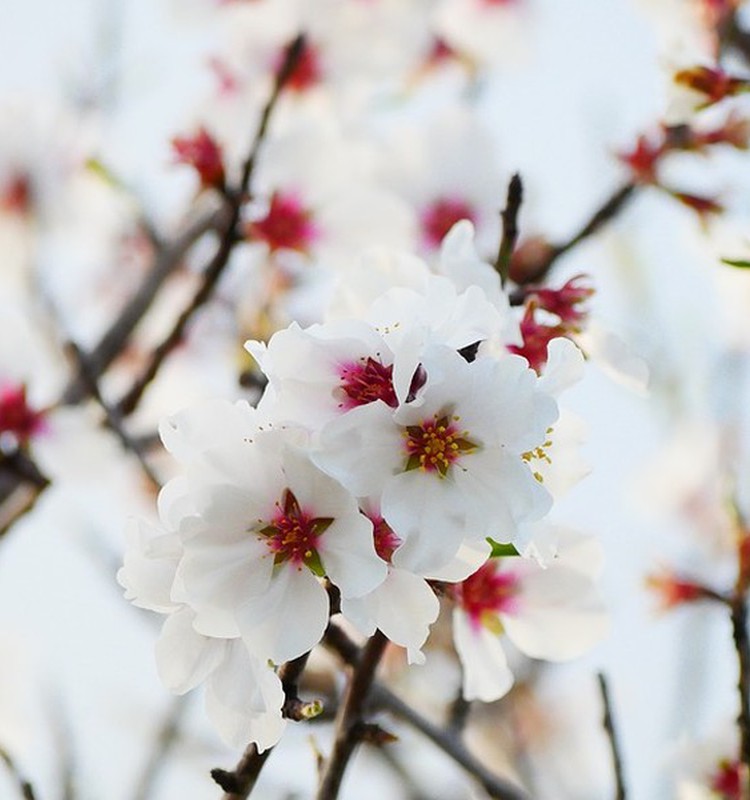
(614, 744)
(742, 646)
(509, 217)
(603, 215)
(112, 418)
(349, 720)
(229, 237)
(458, 713)
(24, 787)
(166, 739)
(381, 697)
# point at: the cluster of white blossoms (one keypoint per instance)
(390, 449)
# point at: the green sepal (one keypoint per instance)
(736, 262)
(500, 550)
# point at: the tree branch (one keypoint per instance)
(614, 744)
(382, 697)
(229, 237)
(349, 720)
(24, 787)
(509, 217)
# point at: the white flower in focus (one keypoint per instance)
(266, 525)
(552, 613)
(244, 696)
(323, 371)
(449, 466)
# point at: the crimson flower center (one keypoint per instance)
(366, 381)
(386, 540)
(726, 780)
(488, 592)
(435, 444)
(287, 225)
(441, 215)
(293, 534)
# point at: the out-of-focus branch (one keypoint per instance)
(608, 723)
(742, 647)
(24, 787)
(602, 216)
(733, 37)
(112, 419)
(21, 484)
(168, 258)
(229, 238)
(381, 697)
(166, 739)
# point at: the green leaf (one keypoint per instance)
(500, 550)
(739, 263)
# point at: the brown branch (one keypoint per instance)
(509, 217)
(601, 217)
(382, 697)
(350, 719)
(608, 723)
(229, 237)
(24, 787)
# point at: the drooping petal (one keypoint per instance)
(487, 676)
(244, 699)
(184, 658)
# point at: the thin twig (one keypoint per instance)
(382, 697)
(611, 207)
(229, 238)
(509, 217)
(112, 418)
(111, 344)
(166, 739)
(742, 646)
(24, 787)
(458, 713)
(614, 744)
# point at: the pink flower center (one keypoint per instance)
(435, 444)
(366, 381)
(441, 215)
(16, 416)
(287, 225)
(386, 541)
(307, 71)
(16, 194)
(488, 592)
(293, 534)
(203, 154)
(726, 780)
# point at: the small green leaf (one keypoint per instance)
(739, 263)
(500, 550)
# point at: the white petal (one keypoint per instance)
(288, 619)
(428, 513)
(560, 615)
(244, 699)
(184, 658)
(150, 562)
(348, 555)
(361, 449)
(486, 673)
